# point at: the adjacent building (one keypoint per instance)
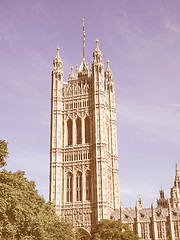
(156, 223)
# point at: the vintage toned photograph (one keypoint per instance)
(90, 120)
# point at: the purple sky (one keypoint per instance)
(142, 41)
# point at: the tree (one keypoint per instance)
(112, 230)
(24, 214)
(3, 153)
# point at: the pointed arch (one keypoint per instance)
(86, 88)
(88, 185)
(87, 130)
(79, 186)
(78, 131)
(69, 131)
(69, 187)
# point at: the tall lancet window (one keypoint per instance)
(79, 186)
(87, 130)
(159, 229)
(88, 185)
(176, 229)
(69, 130)
(78, 131)
(69, 188)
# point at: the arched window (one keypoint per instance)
(176, 229)
(69, 129)
(88, 185)
(79, 186)
(159, 229)
(69, 188)
(87, 130)
(78, 131)
(143, 230)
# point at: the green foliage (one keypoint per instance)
(24, 214)
(3, 152)
(112, 230)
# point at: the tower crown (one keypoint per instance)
(83, 141)
(57, 62)
(108, 72)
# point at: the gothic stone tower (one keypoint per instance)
(84, 176)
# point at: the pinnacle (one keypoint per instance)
(57, 52)
(177, 168)
(108, 67)
(97, 43)
(72, 74)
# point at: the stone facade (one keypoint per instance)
(155, 223)
(84, 175)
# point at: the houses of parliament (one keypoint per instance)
(84, 175)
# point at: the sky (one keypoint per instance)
(141, 38)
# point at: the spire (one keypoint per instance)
(57, 62)
(177, 177)
(177, 169)
(83, 37)
(83, 69)
(108, 72)
(140, 202)
(97, 43)
(57, 52)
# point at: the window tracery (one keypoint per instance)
(176, 229)
(79, 186)
(78, 131)
(87, 130)
(69, 129)
(69, 188)
(159, 230)
(88, 185)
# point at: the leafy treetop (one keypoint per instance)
(24, 214)
(112, 230)
(3, 153)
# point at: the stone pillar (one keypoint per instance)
(138, 227)
(171, 224)
(154, 225)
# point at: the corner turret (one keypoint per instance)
(162, 201)
(175, 191)
(97, 54)
(57, 70)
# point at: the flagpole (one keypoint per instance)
(83, 36)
